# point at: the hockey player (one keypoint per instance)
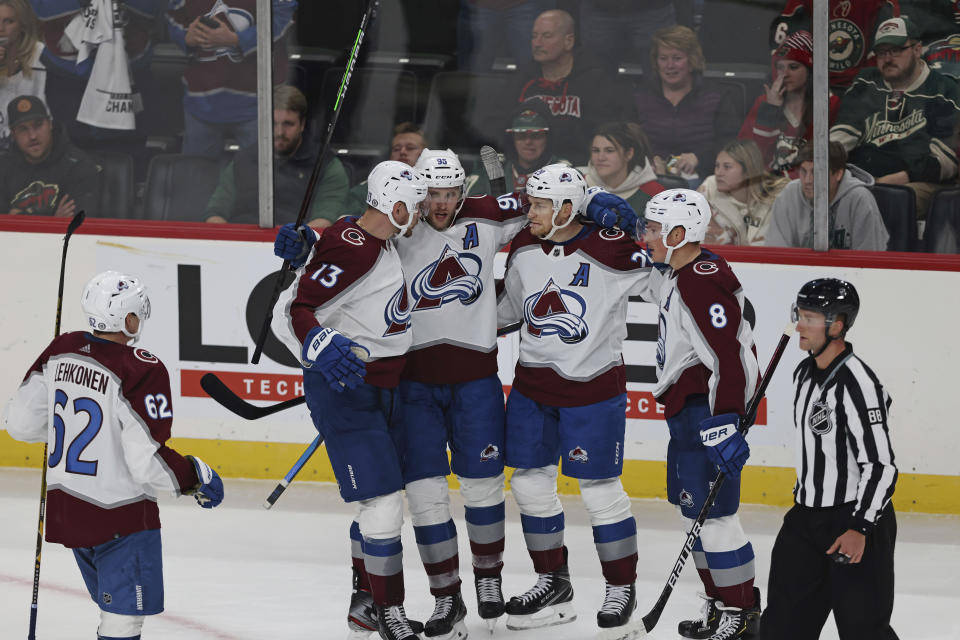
(706, 373)
(568, 283)
(347, 315)
(104, 407)
(450, 392)
(845, 478)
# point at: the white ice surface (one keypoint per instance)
(241, 573)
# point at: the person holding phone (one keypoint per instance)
(220, 102)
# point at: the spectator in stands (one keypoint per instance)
(686, 117)
(781, 122)
(741, 194)
(855, 221)
(899, 120)
(67, 80)
(43, 174)
(405, 146)
(528, 145)
(620, 163)
(294, 154)
(579, 93)
(21, 72)
(852, 23)
(621, 30)
(220, 79)
(488, 28)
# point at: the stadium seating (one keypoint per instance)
(462, 110)
(898, 207)
(179, 187)
(116, 185)
(942, 233)
(377, 99)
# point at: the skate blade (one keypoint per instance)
(459, 632)
(633, 629)
(561, 613)
(491, 624)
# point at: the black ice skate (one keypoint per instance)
(394, 624)
(738, 623)
(615, 617)
(704, 626)
(546, 603)
(490, 604)
(362, 618)
(446, 623)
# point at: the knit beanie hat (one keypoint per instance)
(798, 46)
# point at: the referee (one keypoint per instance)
(834, 551)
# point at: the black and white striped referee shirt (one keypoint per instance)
(843, 453)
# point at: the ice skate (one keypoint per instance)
(704, 626)
(738, 623)
(615, 618)
(446, 622)
(547, 603)
(490, 605)
(394, 624)
(362, 617)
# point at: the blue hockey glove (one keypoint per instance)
(609, 211)
(209, 493)
(293, 244)
(725, 444)
(330, 353)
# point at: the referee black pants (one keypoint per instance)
(805, 585)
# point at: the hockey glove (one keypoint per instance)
(331, 354)
(293, 244)
(609, 211)
(209, 493)
(725, 444)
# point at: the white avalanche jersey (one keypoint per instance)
(105, 411)
(451, 290)
(352, 282)
(704, 345)
(572, 300)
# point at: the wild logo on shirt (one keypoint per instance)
(556, 311)
(452, 276)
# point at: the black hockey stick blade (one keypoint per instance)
(75, 222)
(650, 620)
(220, 392)
(494, 169)
(510, 328)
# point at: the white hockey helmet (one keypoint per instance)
(109, 297)
(558, 183)
(391, 182)
(679, 208)
(442, 170)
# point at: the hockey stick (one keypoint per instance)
(315, 175)
(494, 168)
(75, 222)
(220, 392)
(650, 620)
(294, 470)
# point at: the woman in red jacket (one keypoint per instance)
(781, 121)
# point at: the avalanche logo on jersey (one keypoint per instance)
(397, 313)
(452, 276)
(556, 311)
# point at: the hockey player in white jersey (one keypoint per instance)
(104, 408)
(449, 390)
(706, 373)
(347, 315)
(568, 283)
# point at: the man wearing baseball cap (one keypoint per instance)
(527, 146)
(43, 174)
(898, 120)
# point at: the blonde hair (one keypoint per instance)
(762, 187)
(29, 37)
(678, 37)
